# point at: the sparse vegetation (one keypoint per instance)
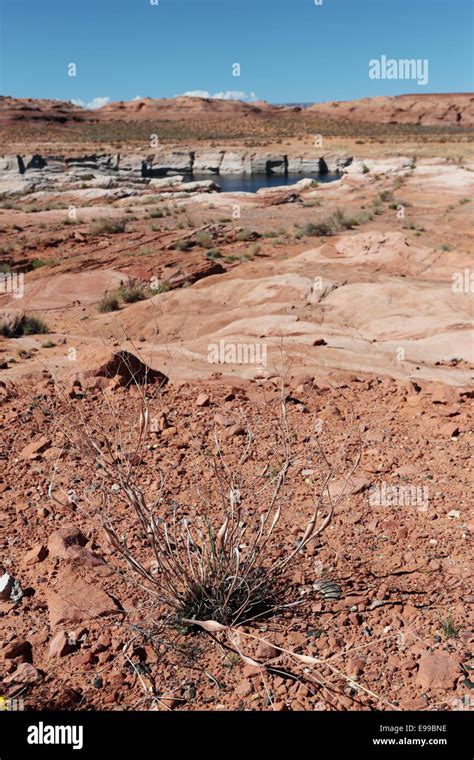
(108, 227)
(38, 263)
(183, 245)
(131, 292)
(17, 325)
(331, 225)
(449, 628)
(110, 302)
(203, 569)
(362, 218)
(204, 239)
(246, 235)
(264, 130)
(162, 287)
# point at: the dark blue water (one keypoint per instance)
(250, 183)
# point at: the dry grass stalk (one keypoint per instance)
(225, 570)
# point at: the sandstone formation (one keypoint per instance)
(425, 109)
(15, 111)
(456, 109)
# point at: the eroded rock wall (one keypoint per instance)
(165, 163)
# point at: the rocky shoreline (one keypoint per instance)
(173, 162)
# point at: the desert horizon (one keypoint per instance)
(236, 365)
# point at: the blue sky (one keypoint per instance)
(288, 50)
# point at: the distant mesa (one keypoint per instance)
(21, 110)
(445, 109)
(181, 107)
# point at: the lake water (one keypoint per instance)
(250, 183)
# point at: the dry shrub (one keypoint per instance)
(222, 563)
(227, 560)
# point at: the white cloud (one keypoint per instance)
(92, 104)
(195, 94)
(228, 95)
